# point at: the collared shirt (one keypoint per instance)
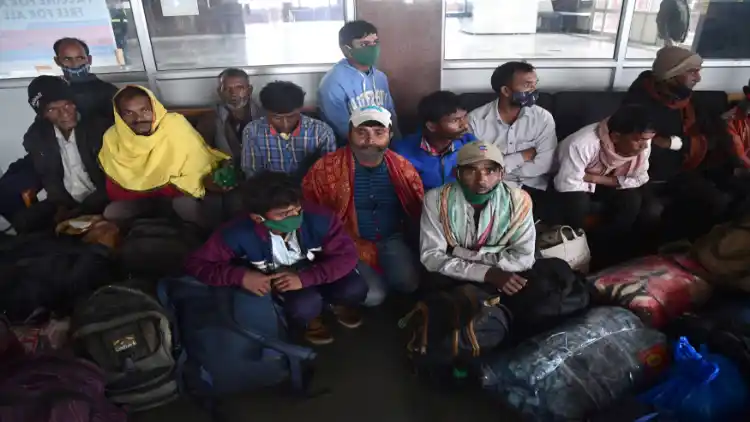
(379, 211)
(434, 168)
(463, 263)
(580, 151)
(264, 149)
(77, 182)
(534, 128)
(287, 252)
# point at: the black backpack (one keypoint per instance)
(450, 329)
(49, 272)
(156, 247)
(127, 333)
(553, 291)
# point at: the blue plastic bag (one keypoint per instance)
(700, 387)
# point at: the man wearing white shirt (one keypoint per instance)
(523, 131)
(608, 162)
(64, 147)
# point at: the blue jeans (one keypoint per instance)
(400, 270)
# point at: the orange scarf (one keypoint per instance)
(739, 128)
(330, 182)
(698, 147)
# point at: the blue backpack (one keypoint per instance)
(230, 341)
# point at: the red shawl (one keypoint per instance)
(738, 125)
(330, 181)
(698, 142)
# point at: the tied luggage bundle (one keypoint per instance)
(155, 247)
(232, 341)
(127, 333)
(725, 254)
(452, 328)
(656, 288)
(581, 367)
(41, 271)
(55, 389)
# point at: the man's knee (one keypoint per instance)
(376, 289)
(403, 278)
(303, 306)
(351, 290)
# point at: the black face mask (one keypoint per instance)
(524, 99)
(680, 92)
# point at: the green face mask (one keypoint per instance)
(367, 55)
(286, 225)
(476, 198)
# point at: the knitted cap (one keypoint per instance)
(672, 61)
(46, 89)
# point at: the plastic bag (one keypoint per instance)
(700, 387)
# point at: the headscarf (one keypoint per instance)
(174, 153)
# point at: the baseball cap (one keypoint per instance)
(370, 113)
(477, 151)
(47, 89)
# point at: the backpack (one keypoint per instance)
(450, 329)
(42, 271)
(553, 291)
(725, 253)
(55, 389)
(231, 341)
(157, 247)
(127, 333)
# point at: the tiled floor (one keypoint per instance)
(369, 382)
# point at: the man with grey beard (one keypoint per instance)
(378, 195)
(222, 128)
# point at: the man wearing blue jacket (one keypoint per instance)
(354, 82)
(433, 150)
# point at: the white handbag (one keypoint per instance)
(563, 242)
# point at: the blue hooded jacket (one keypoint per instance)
(345, 88)
(435, 170)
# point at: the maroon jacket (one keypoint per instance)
(242, 244)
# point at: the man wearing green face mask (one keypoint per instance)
(290, 248)
(354, 82)
(478, 229)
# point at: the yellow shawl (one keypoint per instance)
(174, 153)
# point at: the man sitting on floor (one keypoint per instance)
(607, 161)
(284, 246)
(222, 128)
(64, 149)
(433, 150)
(154, 158)
(478, 229)
(687, 136)
(284, 139)
(378, 195)
(522, 130)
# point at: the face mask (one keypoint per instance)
(476, 198)
(77, 74)
(286, 225)
(366, 56)
(525, 99)
(681, 92)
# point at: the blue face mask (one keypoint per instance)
(77, 74)
(525, 99)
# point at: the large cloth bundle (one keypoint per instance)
(656, 288)
(725, 253)
(581, 367)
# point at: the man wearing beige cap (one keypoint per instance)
(685, 133)
(378, 195)
(479, 229)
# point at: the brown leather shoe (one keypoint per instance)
(317, 333)
(348, 317)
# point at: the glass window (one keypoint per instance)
(29, 29)
(190, 34)
(527, 29)
(716, 29)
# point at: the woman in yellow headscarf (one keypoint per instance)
(152, 157)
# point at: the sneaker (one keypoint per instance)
(317, 333)
(348, 317)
